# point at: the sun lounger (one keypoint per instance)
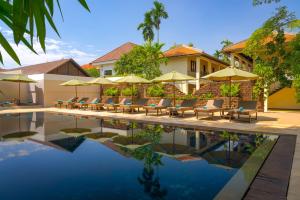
(247, 108)
(140, 103)
(82, 104)
(211, 107)
(95, 104)
(7, 103)
(163, 104)
(115, 106)
(186, 105)
(72, 104)
(60, 103)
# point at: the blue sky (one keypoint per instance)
(86, 36)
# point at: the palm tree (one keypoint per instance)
(158, 13)
(147, 27)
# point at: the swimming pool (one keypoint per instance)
(57, 156)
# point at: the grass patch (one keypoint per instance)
(76, 130)
(100, 135)
(123, 140)
(19, 134)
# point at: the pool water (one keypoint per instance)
(55, 156)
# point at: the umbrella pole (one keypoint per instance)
(132, 93)
(230, 92)
(101, 89)
(19, 99)
(174, 98)
(76, 91)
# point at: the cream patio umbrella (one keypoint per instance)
(100, 81)
(173, 77)
(74, 82)
(230, 74)
(19, 78)
(132, 79)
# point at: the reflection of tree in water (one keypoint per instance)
(149, 178)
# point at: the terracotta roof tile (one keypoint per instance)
(239, 46)
(182, 50)
(87, 66)
(44, 68)
(116, 53)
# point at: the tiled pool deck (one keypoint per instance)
(279, 122)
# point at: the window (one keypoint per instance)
(108, 72)
(193, 66)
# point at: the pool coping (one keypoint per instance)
(294, 178)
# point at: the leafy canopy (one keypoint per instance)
(142, 60)
(152, 19)
(219, 54)
(93, 72)
(27, 19)
(275, 58)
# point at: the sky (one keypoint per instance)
(86, 36)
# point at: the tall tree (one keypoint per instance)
(28, 18)
(272, 54)
(219, 54)
(142, 60)
(158, 13)
(147, 27)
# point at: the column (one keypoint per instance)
(209, 67)
(232, 59)
(198, 75)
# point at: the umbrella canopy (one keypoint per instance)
(173, 77)
(74, 82)
(229, 74)
(19, 78)
(132, 79)
(100, 81)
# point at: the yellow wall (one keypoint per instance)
(283, 99)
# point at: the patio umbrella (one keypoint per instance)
(132, 79)
(75, 83)
(173, 77)
(230, 74)
(100, 81)
(19, 78)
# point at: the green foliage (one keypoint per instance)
(152, 19)
(185, 97)
(129, 92)
(147, 27)
(225, 90)
(156, 90)
(296, 85)
(260, 2)
(275, 58)
(28, 18)
(112, 92)
(218, 54)
(208, 95)
(142, 60)
(93, 72)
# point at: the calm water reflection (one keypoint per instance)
(55, 156)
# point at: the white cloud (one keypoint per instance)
(55, 50)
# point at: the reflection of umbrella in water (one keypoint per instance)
(19, 135)
(220, 158)
(76, 131)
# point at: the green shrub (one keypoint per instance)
(187, 97)
(129, 92)
(111, 92)
(155, 91)
(225, 88)
(208, 95)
